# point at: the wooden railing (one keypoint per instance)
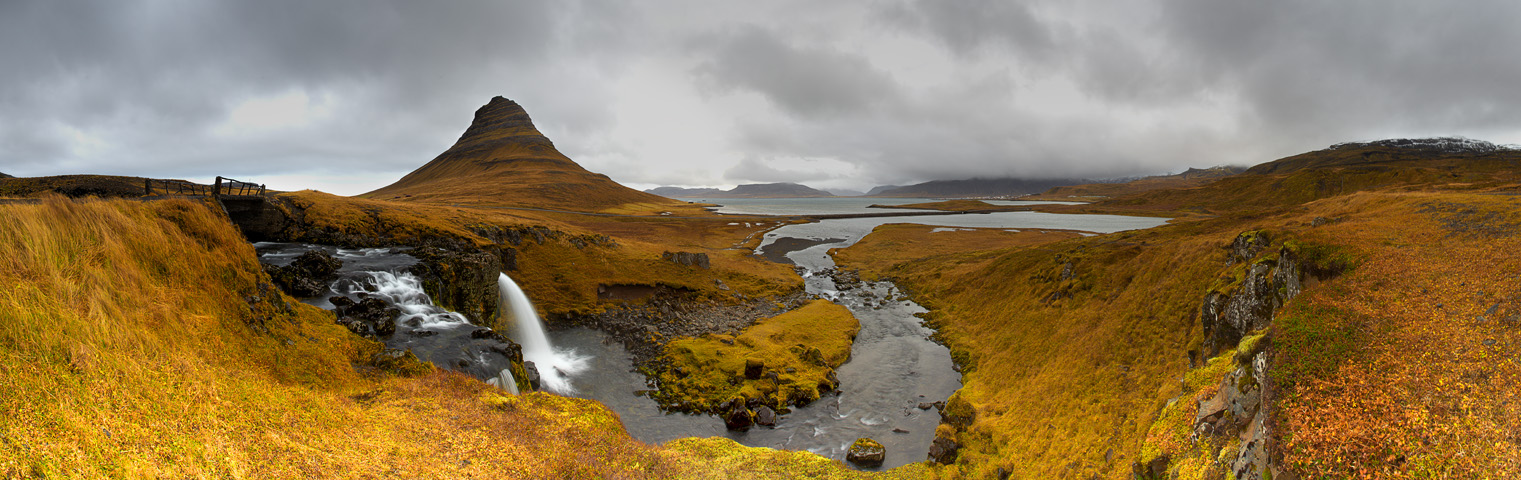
(234, 188)
(224, 187)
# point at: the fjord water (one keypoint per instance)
(894, 367)
(829, 205)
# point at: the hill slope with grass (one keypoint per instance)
(502, 159)
(1188, 178)
(1365, 333)
(1447, 164)
(142, 339)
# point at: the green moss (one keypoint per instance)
(798, 351)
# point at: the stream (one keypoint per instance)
(894, 368)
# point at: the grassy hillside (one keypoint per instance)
(502, 159)
(1077, 351)
(1191, 178)
(1340, 170)
(141, 339)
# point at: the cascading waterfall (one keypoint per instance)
(555, 366)
(405, 291)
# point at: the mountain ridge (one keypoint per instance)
(503, 159)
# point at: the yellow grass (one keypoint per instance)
(131, 345)
(1375, 380)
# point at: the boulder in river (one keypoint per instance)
(765, 416)
(369, 317)
(737, 417)
(866, 452)
(533, 374)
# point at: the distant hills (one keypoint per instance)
(1188, 178)
(502, 159)
(754, 190)
(977, 187)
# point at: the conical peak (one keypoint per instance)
(501, 118)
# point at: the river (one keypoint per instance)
(894, 367)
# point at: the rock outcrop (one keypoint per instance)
(308, 275)
(463, 281)
(1261, 284)
(369, 317)
(698, 260)
(866, 452)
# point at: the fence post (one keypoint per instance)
(147, 186)
(218, 189)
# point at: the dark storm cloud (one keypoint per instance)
(155, 79)
(703, 93)
(804, 81)
(970, 27)
(1360, 66)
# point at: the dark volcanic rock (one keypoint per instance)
(370, 317)
(1229, 313)
(738, 417)
(765, 416)
(464, 281)
(866, 452)
(532, 371)
(308, 275)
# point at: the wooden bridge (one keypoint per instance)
(224, 187)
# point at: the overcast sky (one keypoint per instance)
(348, 96)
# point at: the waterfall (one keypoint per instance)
(556, 366)
(405, 292)
(504, 381)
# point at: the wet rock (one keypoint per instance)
(369, 317)
(765, 416)
(308, 275)
(738, 417)
(926, 405)
(533, 373)
(463, 281)
(899, 430)
(509, 349)
(866, 452)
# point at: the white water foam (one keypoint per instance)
(556, 366)
(405, 291)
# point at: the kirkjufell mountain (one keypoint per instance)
(502, 159)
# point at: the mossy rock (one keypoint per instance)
(866, 452)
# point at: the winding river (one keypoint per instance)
(894, 367)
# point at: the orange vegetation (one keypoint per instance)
(1403, 367)
(140, 339)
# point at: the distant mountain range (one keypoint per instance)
(1189, 178)
(977, 187)
(754, 190)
